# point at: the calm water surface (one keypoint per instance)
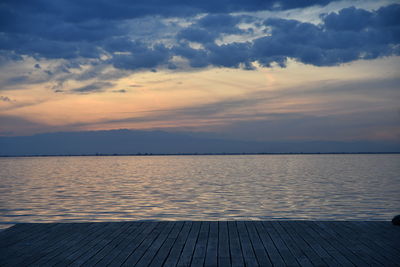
(61, 189)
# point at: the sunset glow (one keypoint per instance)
(192, 73)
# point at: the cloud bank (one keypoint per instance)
(104, 33)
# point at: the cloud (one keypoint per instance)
(222, 22)
(92, 88)
(233, 55)
(6, 99)
(89, 10)
(210, 27)
(120, 91)
(338, 110)
(349, 126)
(68, 29)
(342, 37)
(198, 35)
(17, 80)
(108, 39)
(334, 109)
(142, 57)
(20, 125)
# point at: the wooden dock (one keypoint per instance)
(202, 243)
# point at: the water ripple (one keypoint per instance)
(323, 187)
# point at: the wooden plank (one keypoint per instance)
(259, 250)
(319, 248)
(212, 246)
(350, 238)
(166, 247)
(26, 233)
(293, 229)
(187, 252)
(93, 246)
(122, 257)
(135, 228)
(382, 237)
(377, 241)
(324, 229)
(386, 227)
(290, 243)
(177, 248)
(33, 249)
(247, 248)
(323, 239)
(280, 245)
(12, 231)
(269, 245)
(353, 238)
(57, 242)
(101, 241)
(135, 256)
(223, 244)
(25, 241)
(155, 246)
(234, 245)
(70, 237)
(125, 230)
(128, 245)
(200, 249)
(56, 252)
(10, 234)
(69, 257)
(391, 233)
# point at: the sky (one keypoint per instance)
(260, 70)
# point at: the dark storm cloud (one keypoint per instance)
(100, 31)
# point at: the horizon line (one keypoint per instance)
(192, 154)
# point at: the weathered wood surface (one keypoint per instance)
(233, 243)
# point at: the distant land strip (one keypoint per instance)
(193, 154)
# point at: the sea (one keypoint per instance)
(199, 187)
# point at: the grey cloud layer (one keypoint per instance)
(94, 87)
(98, 32)
(362, 98)
(342, 37)
(351, 110)
(89, 10)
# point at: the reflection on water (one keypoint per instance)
(321, 187)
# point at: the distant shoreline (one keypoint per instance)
(196, 154)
